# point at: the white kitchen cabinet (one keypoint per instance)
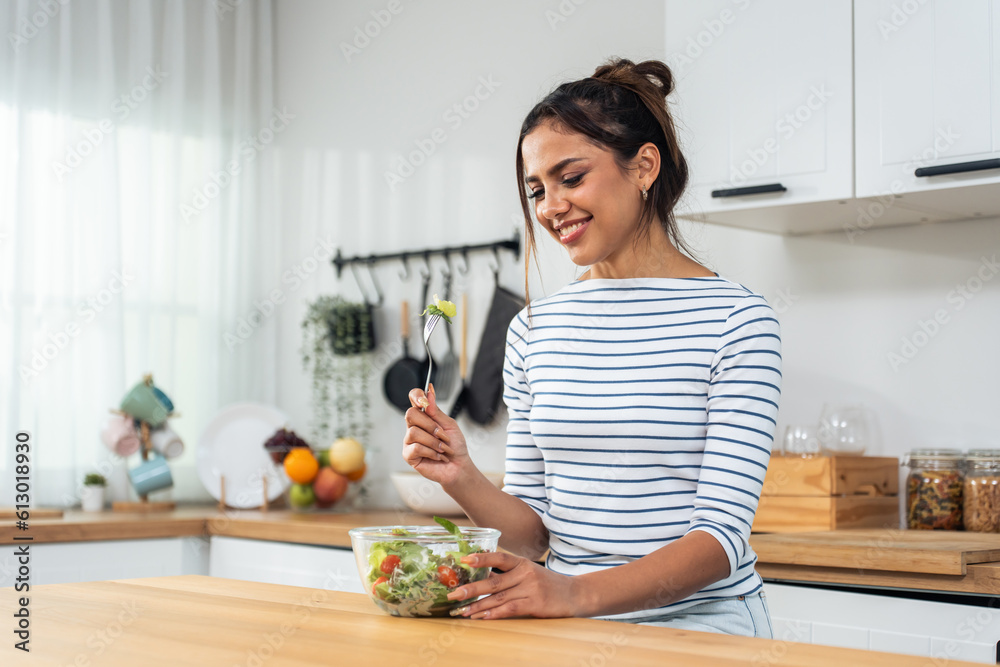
(839, 103)
(942, 631)
(72, 562)
(927, 85)
(328, 568)
(763, 100)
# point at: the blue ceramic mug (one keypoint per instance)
(142, 403)
(152, 475)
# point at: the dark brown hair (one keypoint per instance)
(620, 108)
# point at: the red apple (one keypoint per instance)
(329, 486)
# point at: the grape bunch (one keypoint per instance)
(282, 442)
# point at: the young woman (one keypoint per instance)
(642, 397)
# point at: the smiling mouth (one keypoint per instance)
(568, 230)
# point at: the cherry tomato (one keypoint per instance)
(447, 576)
(380, 580)
(389, 563)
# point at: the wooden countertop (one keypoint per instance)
(946, 561)
(196, 620)
(920, 551)
(950, 561)
(318, 528)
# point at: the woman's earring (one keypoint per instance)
(645, 194)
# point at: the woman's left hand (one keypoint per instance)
(520, 588)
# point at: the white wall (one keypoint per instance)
(844, 306)
(355, 118)
(851, 305)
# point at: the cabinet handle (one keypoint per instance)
(958, 167)
(752, 190)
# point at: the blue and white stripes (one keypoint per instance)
(640, 410)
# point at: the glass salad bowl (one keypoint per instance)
(409, 570)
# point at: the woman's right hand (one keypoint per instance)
(434, 445)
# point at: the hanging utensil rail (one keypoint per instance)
(513, 244)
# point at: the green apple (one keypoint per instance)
(301, 495)
(324, 458)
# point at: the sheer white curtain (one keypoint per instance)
(137, 224)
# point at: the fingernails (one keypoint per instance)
(423, 402)
(457, 594)
(458, 611)
(469, 560)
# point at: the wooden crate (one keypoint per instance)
(828, 493)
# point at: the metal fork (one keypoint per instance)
(428, 328)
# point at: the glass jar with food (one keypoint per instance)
(934, 489)
(981, 491)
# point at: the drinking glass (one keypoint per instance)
(847, 429)
(801, 440)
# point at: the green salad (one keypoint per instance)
(408, 579)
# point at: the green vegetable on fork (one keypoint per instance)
(446, 309)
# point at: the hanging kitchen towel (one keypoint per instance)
(486, 382)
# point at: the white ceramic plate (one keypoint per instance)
(233, 445)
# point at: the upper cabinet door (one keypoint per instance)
(927, 75)
(764, 100)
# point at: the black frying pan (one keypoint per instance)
(485, 386)
(407, 372)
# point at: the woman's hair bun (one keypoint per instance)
(637, 77)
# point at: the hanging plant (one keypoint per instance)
(337, 336)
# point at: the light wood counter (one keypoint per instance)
(207, 621)
(918, 551)
(981, 579)
(318, 528)
(945, 561)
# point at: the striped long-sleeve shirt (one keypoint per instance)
(641, 410)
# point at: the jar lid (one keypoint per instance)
(983, 455)
(936, 454)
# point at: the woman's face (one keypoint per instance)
(581, 196)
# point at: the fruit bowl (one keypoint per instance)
(409, 570)
(318, 479)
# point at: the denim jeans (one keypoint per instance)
(744, 615)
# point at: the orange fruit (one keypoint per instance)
(357, 474)
(301, 466)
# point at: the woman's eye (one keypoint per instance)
(572, 180)
(535, 194)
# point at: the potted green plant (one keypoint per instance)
(337, 338)
(92, 493)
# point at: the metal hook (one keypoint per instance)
(405, 273)
(378, 289)
(357, 279)
(371, 276)
(464, 269)
(446, 276)
(425, 270)
(496, 263)
(446, 267)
